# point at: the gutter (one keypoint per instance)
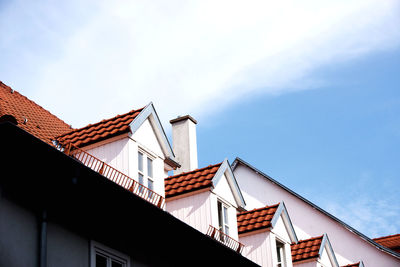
(43, 240)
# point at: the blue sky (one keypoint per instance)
(307, 92)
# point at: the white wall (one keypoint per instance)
(307, 221)
(258, 248)
(194, 210)
(122, 154)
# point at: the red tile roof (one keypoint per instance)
(352, 265)
(104, 129)
(391, 241)
(256, 219)
(190, 181)
(30, 116)
(306, 249)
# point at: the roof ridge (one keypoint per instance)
(257, 209)
(99, 122)
(309, 239)
(5, 86)
(193, 171)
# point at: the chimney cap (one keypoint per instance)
(182, 118)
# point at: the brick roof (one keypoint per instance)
(190, 181)
(102, 130)
(352, 265)
(30, 116)
(391, 241)
(306, 249)
(256, 219)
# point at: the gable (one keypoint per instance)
(150, 114)
(146, 137)
(325, 260)
(225, 171)
(280, 230)
(223, 190)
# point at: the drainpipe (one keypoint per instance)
(43, 240)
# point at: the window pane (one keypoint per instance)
(151, 186)
(116, 264)
(225, 215)
(140, 178)
(220, 216)
(140, 161)
(101, 261)
(149, 167)
(226, 229)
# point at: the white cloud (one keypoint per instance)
(193, 57)
(374, 217)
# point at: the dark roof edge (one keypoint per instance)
(348, 227)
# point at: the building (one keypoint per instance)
(102, 195)
(309, 220)
(57, 211)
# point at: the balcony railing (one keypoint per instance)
(114, 175)
(225, 239)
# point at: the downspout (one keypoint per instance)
(43, 240)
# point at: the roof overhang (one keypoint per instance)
(150, 113)
(282, 212)
(225, 168)
(326, 245)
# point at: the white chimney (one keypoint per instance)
(184, 142)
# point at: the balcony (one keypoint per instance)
(114, 175)
(225, 239)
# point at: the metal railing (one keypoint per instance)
(225, 239)
(114, 175)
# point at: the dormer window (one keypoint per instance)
(280, 254)
(145, 170)
(223, 218)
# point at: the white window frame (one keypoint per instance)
(97, 248)
(224, 216)
(282, 252)
(146, 156)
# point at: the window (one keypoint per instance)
(280, 254)
(223, 218)
(145, 170)
(102, 256)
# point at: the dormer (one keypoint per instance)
(134, 143)
(267, 234)
(314, 252)
(206, 197)
(358, 264)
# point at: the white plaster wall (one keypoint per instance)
(257, 248)
(223, 190)
(193, 210)
(146, 138)
(122, 154)
(308, 221)
(114, 154)
(280, 231)
(324, 259)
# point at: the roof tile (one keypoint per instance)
(30, 116)
(352, 265)
(391, 241)
(190, 181)
(104, 129)
(256, 219)
(306, 249)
